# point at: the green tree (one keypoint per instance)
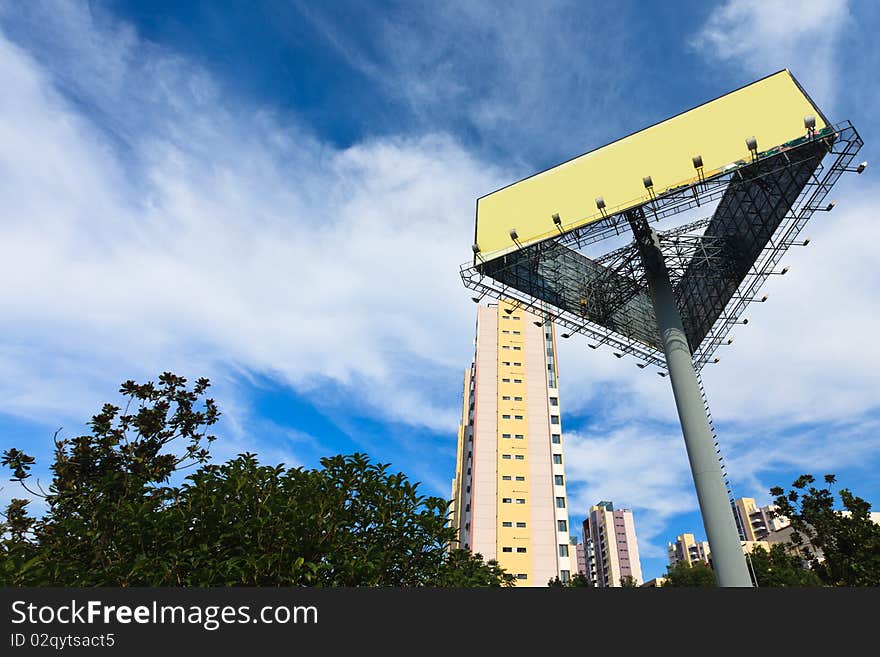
(778, 568)
(847, 538)
(114, 518)
(578, 580)
(685, 574)
(628, 582)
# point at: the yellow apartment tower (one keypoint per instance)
(509, 500)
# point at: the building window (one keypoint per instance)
(521, 525)
(521, 550)
(564, 575)
(517, 417)
(514, 317)
(505, 362)
(505, 417)
(505, 331)
(505, 317)
(505, 477)
(556, 439)
(563, 550)
(520, 457)
(517, 380)
(507, 500)
(561, 526)
(557, 459)
(515, 348)
(554, 419)
(505, 398)
(559, 480)
(517, 333)
(520, 478)
(519, 436)
(506, 456)
(517, 399)
(522, 576)
(560, 502)
(507, 549)
(520, 500)
(507, 524)
(515, 364)
(505, 380)
(554, 401)
(505, 435)
(505, 346)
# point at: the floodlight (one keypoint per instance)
(513, 234)
(565, 335)
(810, 122)
(752, 144)
(557, 220)
(600, 203)
(698, 161)
(475, 248)
(647, 182)
(861, 167)
(805, 242)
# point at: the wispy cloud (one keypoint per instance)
(762, 36)
(533, 81)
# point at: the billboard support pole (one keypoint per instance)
(727, 555)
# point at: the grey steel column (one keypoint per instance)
(724, 541)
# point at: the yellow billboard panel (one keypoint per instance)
(771, 110)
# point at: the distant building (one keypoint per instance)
(757, 522)
(579, 552)
(610, 546)
(687, 548)
(655, 583)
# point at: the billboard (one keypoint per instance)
(771, 110)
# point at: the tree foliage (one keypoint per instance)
(114, 518)
(578, 580)
(847, 538)
(683, 574)
(778, 568)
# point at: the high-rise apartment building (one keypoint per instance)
(687, 548)
(615, 550)
(757, 522)
(509, 499)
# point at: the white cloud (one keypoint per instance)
(212, 237)
(763, 36)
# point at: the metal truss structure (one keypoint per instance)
(716, 265)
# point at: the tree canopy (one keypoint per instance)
(847, 539)
(778, 568)
(114, 517)
(684, 574)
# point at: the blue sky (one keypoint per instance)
(277, 195)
